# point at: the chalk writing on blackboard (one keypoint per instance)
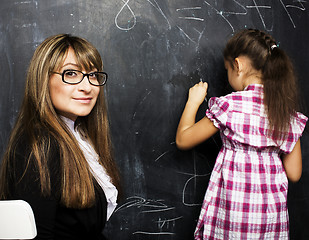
(264, 11)
(191, 17)
(191, 179)
(300, 7)
(131, 24)
(192, 176)
(156, 5)
(164, 222)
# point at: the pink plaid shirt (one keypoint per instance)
(247, 192)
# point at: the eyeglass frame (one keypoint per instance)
(84, 74)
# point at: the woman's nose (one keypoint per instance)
(85, 85)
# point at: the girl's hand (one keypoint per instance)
(197, 93)
(189, 133)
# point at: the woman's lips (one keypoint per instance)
(83, 99)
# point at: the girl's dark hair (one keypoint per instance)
(278, 76)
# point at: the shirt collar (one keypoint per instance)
(70, 123)
(254, 87)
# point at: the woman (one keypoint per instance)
(59, 158)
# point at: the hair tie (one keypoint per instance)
(273, 46)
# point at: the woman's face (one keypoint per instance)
(70, 100)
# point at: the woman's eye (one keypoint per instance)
(70, 73)
(93, 75)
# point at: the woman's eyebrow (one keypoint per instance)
(73, 64)
(78, 66)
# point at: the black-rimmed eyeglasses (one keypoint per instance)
(71, 76)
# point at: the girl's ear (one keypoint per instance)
(241, 64)
(238, 65)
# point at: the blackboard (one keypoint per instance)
(153, 51)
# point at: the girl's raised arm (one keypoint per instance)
(189, 134)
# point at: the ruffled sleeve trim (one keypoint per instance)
(297, 127)
(217, 112)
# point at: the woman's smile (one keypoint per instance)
(83, 100)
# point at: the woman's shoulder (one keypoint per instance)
(28, 148)
(25, 141)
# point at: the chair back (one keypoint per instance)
(16, 220)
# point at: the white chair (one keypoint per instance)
(16, 220)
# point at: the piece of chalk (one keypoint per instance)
(201, 80)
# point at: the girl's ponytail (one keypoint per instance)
(280, 90)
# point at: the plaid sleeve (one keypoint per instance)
(218, 111)
(297, 127)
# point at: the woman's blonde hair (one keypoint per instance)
(38, 115)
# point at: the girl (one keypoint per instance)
(59, 158)
(260, 130)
